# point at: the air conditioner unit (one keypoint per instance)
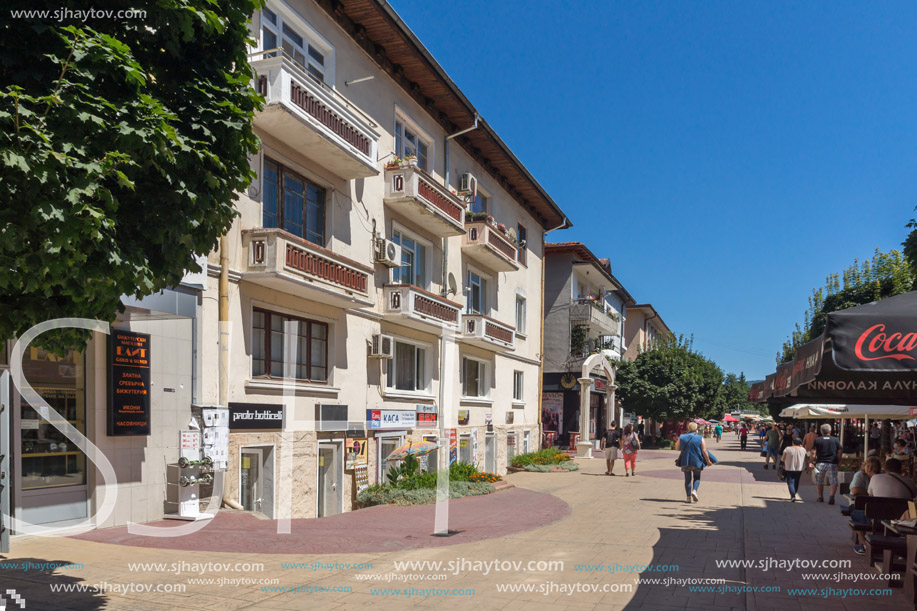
(383, 347)
(388, 253)
(469, 185)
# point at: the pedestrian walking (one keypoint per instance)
(718, 432)
(630, 444)
(771, 445)
(827, 454)
(794, 462)
(808, 441)
(743, 435)
(692, 459)
(610, 441)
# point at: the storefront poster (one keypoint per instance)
(129, 379)
(463, 416)
(552, 411)
(356, 453)
(509, 417)
(453, 446)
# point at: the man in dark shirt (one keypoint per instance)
(610, 441)
(827, 454)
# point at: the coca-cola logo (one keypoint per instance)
(879, 345)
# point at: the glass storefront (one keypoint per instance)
(49, 459)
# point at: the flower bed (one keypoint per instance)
(408, 486)
(544, 458)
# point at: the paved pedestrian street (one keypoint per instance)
(603, 535)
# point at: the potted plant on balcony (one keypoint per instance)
(475, 216)
(394, 162)
(410, 160)
(501, 227)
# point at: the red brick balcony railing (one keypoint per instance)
(418, 305)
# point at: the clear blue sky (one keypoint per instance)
(726, 156)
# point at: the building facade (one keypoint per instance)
(394, 246)
(645, 330)
(586, 313)
(390, 251)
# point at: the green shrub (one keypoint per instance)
(548, 456)
(566, 466)
(461, 471)
(388, 495)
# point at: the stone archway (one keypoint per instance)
(586, 382)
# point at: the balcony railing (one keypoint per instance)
(584, 312)
(487, 245)
(487, 332)
(415, 307)
(280, 260)
(312, 118)
(412, 192)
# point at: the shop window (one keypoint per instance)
(510, 447)
(292, 203)
(310, 347)
(49, 458)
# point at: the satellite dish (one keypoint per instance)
(511, 232)
(453, 287)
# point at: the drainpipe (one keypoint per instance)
(223, 378)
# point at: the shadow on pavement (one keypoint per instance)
(27, 578)
(769, 537)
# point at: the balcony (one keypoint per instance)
(414, 307)
(413, 193)
(312, 118)
(485, 332)
(488, 246)
(584, 312)
(279, 260)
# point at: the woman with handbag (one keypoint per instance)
(630, 443)
(692, 459)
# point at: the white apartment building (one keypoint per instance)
(404, 239)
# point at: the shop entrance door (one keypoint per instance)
(490, 453)
(250, 486)
(330, 488)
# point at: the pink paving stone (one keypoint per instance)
(375, 529)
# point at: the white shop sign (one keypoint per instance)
(391, 419)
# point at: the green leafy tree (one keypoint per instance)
(123, 143)
(885, 275)
(670, 382)
(733, 396)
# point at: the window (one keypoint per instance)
(520, 315)
(523, 239)
(474, 378)
(517, 386)
(306, 50)
(409, 142)
(476, 302)
(413, 268)
(292, 203)
(406, 371)
(310, 347)
(510, 447)
(480, 203)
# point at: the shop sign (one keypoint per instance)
(391, 418)
(356, 453)
(463, 416)
(261, 416)
(914, 411)
(488, 419)
(509, 417)
(129, 379)
(426, 415)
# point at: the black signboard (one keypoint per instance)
(129, 384)
(260, 416)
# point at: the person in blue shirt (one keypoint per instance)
(718, 432)
(694, 457)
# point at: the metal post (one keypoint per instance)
(5, 477)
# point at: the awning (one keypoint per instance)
(803, 411)
(867, 353)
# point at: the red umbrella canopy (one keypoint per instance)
(728, 418)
